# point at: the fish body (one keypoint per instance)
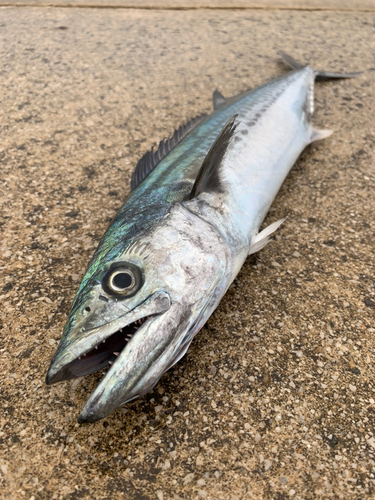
(181, 238)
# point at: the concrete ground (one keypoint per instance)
(275, 398)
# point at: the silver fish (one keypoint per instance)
(190, 221)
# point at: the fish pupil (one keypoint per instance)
(122, 280)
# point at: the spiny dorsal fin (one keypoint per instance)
(152, 158)
(208, 178)
(218, 100)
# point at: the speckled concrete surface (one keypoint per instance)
(275, 398)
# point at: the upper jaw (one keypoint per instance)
(66, 364)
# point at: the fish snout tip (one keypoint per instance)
(51, 374)
(92, 413)
(86, 418)
(48, 379)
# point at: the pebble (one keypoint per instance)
(188, 478)
(267, 464)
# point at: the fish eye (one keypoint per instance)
(123, 280)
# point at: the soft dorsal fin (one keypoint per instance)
(152, 158)
(208, 178)
(218, 100)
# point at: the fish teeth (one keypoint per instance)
(110, 362)
(116, 353)
(96, 347)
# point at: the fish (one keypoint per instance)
(189, 222)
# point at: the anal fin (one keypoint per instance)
(318, 134)
(261, 239)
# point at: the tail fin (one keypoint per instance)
(320, 75)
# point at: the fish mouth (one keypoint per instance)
(139, 366)
(104, 353)
(100, 347)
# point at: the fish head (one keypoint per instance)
(138, 310)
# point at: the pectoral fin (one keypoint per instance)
(208, 179)
(261, 239)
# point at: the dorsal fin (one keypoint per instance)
(218, 100)
(152, 158)
(208, 178)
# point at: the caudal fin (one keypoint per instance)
(320, 75)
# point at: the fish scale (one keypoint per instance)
(182, 235)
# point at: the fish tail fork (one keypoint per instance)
(319, 75)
